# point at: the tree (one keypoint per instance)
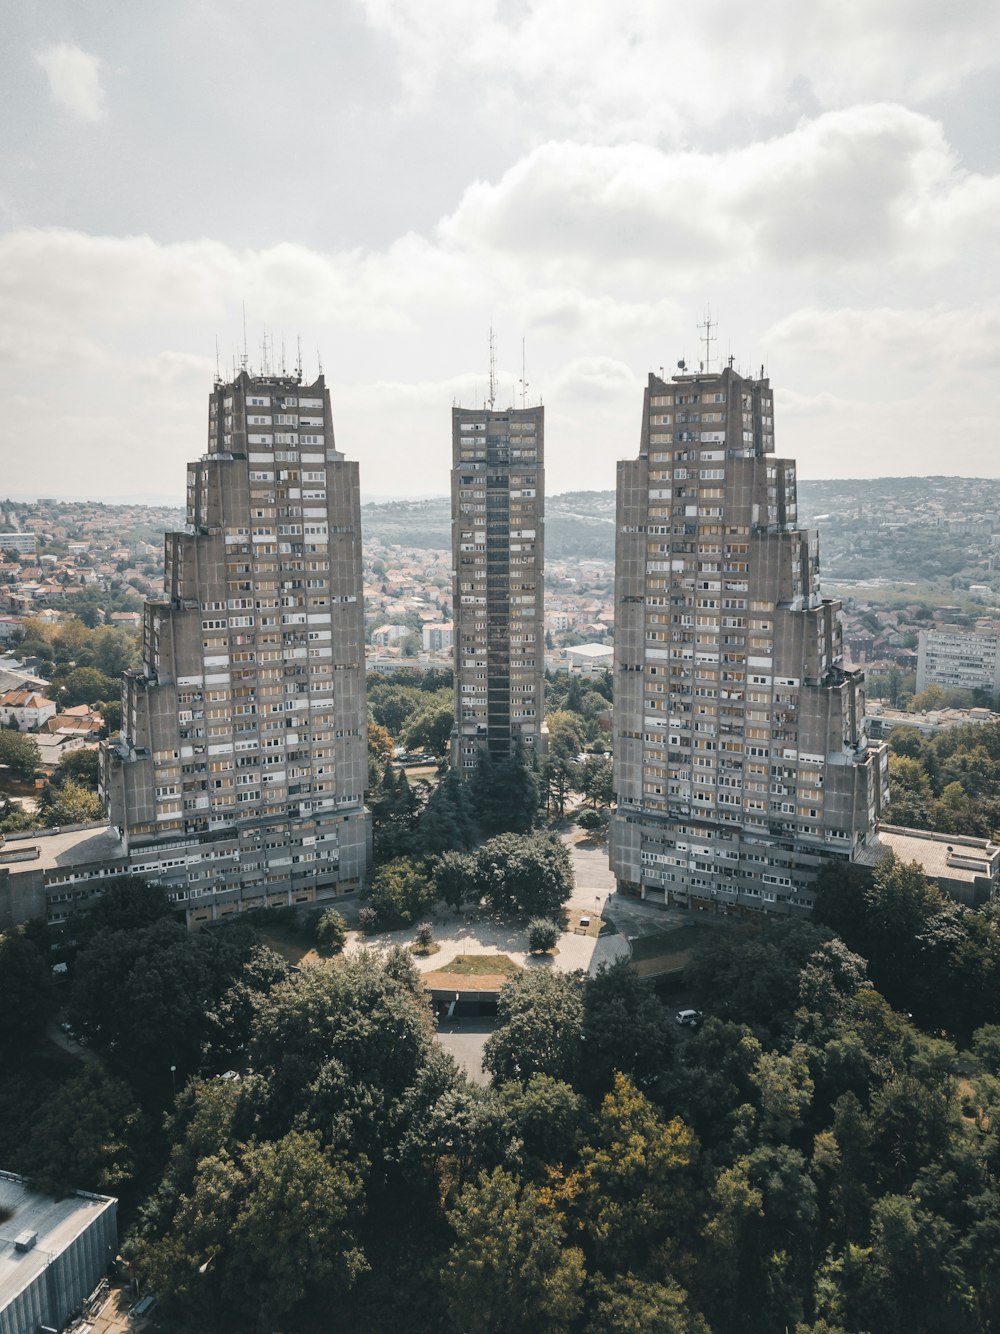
(27, 994)
(635, 1186)
(446, 823)
(111, 711)
(594, 823)
(392, 705)
(339, 1047)
(509, 1270)
(454, 878)
(220, 1249)
(81, 766)
(401, 891)
(626, 1029)
(629, 1305)
(504, 792)
(547, 1119)
(331, 932)
(595, 779)
(753, 971)
(530, 875)
(380, 750)
(542, 933)
(86, 685)
(20, 754)
(430, 727)
(539, 1018)
(72, 803)
(567, 734)
(127, 902)
(85, 1137)
(557, 781)
(115, 650)
(142, 996)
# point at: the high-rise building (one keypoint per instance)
(498, 550)
(239, 775)
(741, 754)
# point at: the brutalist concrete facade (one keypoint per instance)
(239, 775)
(498, 551)
(741, 754)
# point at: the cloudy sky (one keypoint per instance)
(386, 178)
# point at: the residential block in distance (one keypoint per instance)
(959, 659)
(238, 777)
(498, 551)
(740, 745)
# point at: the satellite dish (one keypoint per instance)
(682, 365)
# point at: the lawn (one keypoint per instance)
(475, 965)
(667, 951)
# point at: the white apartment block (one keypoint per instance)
(959, 660)
(741, 755)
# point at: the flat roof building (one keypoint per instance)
(958, 660)
(966, 869)
(238, 779)
(53, 1254)
(498, 555)
(741, 752)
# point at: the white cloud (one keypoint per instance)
(869, 184)
(74, 80)
(653, 71)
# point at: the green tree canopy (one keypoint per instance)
(509, 1270)
(539, 1020)
(19, 753)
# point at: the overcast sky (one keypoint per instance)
(386, 178)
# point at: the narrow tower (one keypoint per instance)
(239, 775)
(498, 549)
(741, 758)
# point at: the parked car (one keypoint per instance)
(688, 1018)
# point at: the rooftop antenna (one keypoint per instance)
(243, 362)
(298, 364)
(493, 370)
(282, 356)
(524, 382)
(708, 338)
(218, 368)
(319, 361)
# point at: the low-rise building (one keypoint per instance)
(28, 709)
(966, 869)
(438, 638)
(53, 1254)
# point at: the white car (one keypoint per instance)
(688, 1018)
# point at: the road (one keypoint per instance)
(465, 1040)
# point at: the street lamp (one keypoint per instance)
(173, 1079)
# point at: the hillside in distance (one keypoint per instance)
(579, 525)
(896, 528)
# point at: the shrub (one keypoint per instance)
(424, 935)
(543, 933)
(367, 919)
(331, 932)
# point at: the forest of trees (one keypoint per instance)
(949, 782)
(813, 1157)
